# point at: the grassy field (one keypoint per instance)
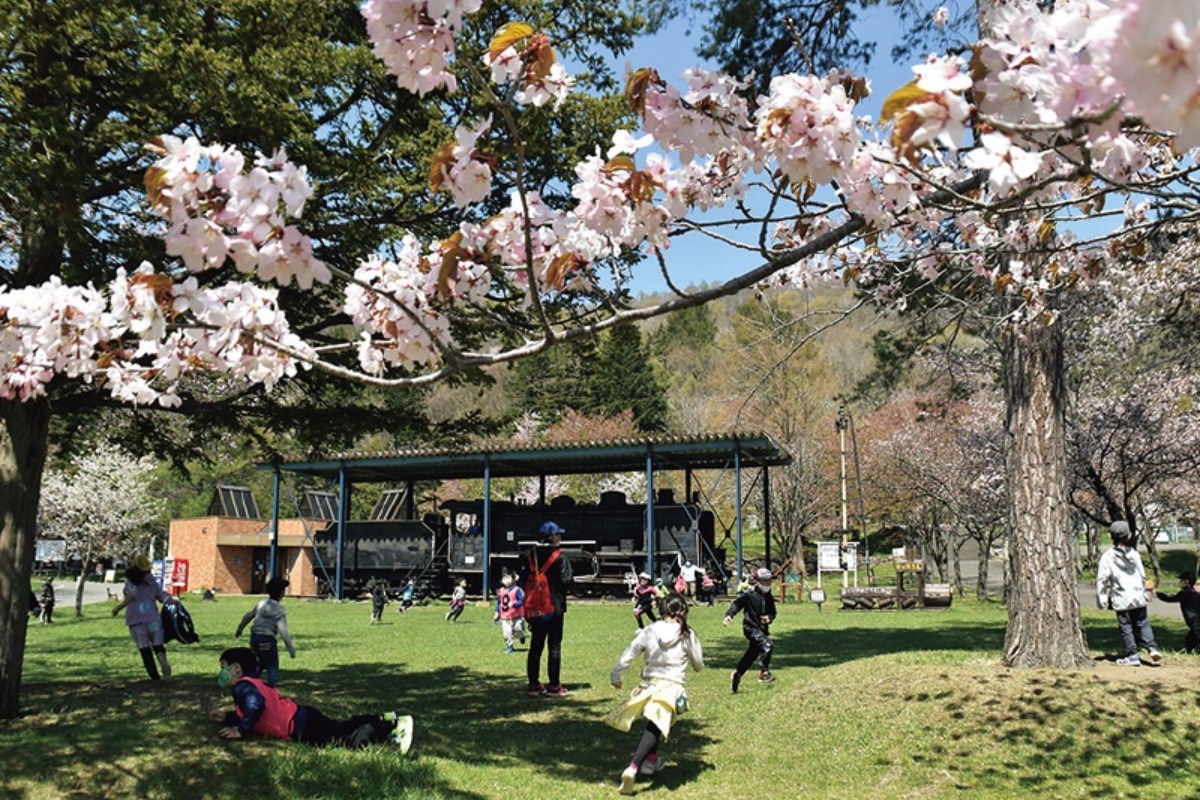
(893, 704)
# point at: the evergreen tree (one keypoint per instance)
(561, 378)
(627, 381)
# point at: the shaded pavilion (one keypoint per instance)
(731, 453)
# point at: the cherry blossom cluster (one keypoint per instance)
(415, 39)
(538, 85)
(461, 169)
(142, 335)
(392, 303)
(218, 210)
(1049, 101)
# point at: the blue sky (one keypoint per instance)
(694, 259)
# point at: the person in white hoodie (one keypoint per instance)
(1121, 587)
(669, 646)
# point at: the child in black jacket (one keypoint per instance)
(758, 612)
(1189, 604)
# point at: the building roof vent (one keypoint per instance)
(233, 501)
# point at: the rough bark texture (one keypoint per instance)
(1045, 626)
(23, 444)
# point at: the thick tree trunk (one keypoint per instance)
(80, 581)
(24, 437)
(1045, 626)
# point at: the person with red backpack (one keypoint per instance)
(546, 574)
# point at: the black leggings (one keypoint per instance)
(546, 635)
(313, 727)
(648, 610)
(148, 659)
(648, 745)
(760, 647)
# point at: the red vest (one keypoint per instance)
(278, 712)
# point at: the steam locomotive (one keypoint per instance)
(605, 541)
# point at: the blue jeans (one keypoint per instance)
(1134, 625)
(267, 651)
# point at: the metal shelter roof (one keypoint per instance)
(704, 451)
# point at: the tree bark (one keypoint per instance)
(24, 437)
(1045, 626)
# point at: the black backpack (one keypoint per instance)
(177, 624)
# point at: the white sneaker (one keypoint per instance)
(1129, 661)
(1154, 656)
(402, 734)
(627, 779)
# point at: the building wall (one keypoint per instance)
(196, 540)
(228, 568)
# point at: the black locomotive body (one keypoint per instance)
(605, 541)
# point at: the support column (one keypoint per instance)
(487, 523)
(766, 476)
(343, 517)
(650, 539)
(737, 482)
(273, 558)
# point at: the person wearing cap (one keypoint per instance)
(140, 604)
(645, 595)
(1189, 604)
(546, 631)
(259, 708)
(1121, 587)
(758, 612)
(267, 620)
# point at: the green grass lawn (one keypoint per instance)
(902, 704)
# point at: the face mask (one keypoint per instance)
(765, 588)
(506, 582)
(224, 678)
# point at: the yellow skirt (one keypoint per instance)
(654, 700)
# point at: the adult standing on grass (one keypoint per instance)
(669, 646)
(1121, 587)
(140, 604)
(546, 574)
(259, 708)
(758, 612)
(267, 620)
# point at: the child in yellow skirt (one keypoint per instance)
(668, 645)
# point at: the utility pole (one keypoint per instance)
(842, 423)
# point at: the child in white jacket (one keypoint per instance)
(669, 646)
(1121, 587)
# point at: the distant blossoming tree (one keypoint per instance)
(102, 504)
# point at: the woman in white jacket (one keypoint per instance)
(1121, 586)
(669, 646)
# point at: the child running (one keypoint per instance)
(758, 612)
(668, 645)
(379, 599)
(510, 612)
(645, 595)
(269, 619)
(457, 601)
(406, 596)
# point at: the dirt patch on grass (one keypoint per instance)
(1182, 671)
